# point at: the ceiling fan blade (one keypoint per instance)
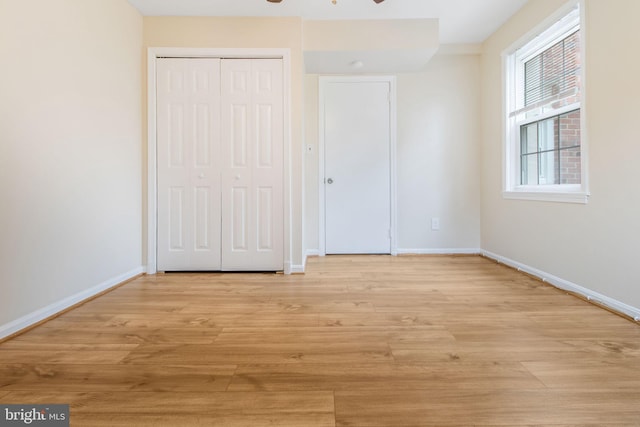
(378, 1)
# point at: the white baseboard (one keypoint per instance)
(420, 251)
(559, 283)
(451, 251)
(297, 269)
(293, 268)
(300, 269)
(55, 308)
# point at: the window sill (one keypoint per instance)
(580, 197)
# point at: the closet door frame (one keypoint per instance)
(153, 53)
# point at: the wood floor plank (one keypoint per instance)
(214, 408)
(399, 318)
(249, 353)
(42, 346)
(122, 335)
(608, 349)
(281, 306)
(78, 318)
(491, 351)
(588, 374)
(275, 419)
(69, 355)
(212, 320)
(383, 377)
(86, 378)
(469, 407)
(610, 424)
(356, 341)
(419, 335)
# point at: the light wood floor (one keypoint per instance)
(357, 341)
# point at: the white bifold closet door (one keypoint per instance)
(188, 164)
(252, 164)
(220, 164)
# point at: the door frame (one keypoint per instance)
(323, 82)
(153, 53)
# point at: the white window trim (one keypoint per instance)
(510, 174)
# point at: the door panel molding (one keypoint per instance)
(324, 81)
(153, 53)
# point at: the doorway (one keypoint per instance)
(357, 165)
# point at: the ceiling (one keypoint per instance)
(461, 21)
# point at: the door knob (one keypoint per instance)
(330, 181)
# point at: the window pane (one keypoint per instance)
(547, 132)
(572, 61)
(529, 138)
(553, 70)
(533, 79)
(570, 166)
(550, 151)
(548, 168)
(570, 129)
(554, 73)
(529, 169)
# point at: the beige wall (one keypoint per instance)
(216, 32)
(438, 151)
(595, 245)
(70, 152)
(437, 156)
(311, 171)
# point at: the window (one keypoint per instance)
(544, 142)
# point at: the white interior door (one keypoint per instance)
(252, 164)
(357, 184)
(188, 99)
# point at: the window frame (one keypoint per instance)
(545, 35)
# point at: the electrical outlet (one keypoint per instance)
(435, 224)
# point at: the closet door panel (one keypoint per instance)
(252, 164)
(188, 164)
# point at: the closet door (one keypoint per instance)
(188, 156)
(252, 164)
